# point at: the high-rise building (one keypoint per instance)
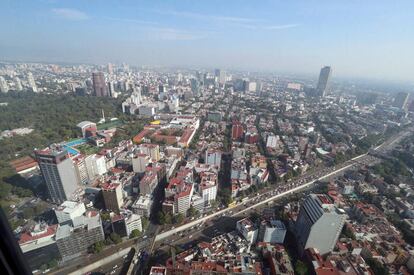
(195, 86)
(111, 89)
(221, 76)
(324, 77)
(4, 88)
(74, 239)
(68, 211)
(152, 150)
(319, 224)
(99, 85)
(112, 196)
(213, 157)
(59, 173)
(401, 100)
(252, 86)
(18, 84)
(237, 130)
(110, 68)
(95, 166)
(80, 168)
(32, 82)
(140, 162)
(142, 206)
(148, 183)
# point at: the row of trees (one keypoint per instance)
(167, 218)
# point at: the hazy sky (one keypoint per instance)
(363, 38)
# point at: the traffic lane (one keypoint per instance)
(205, 233)
(112, 268)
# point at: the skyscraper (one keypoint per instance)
(319, 224)
(401, 100)
(323, 81)
(99, 86)
(58, 172)
(221, 76)
(32, 83)
(4, 88)
(111, 89)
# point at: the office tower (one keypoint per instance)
(18, 84)
(401, 100)
(32, 83)
(99, 87)
(221, 76)
(112, 196)
(319, 224)
(4, 88)
(323, 81)
(59, 173)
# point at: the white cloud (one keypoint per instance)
(129, 20)
(70, 14)
(282, 27)
(200, 16)
(174, 34)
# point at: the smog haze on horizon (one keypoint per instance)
(365, 39)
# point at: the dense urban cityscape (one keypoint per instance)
(208, 172)
(206, 137)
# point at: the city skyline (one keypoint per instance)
(358, 39)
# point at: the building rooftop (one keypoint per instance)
(38, 231)
(109, 186)
(22, 164)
